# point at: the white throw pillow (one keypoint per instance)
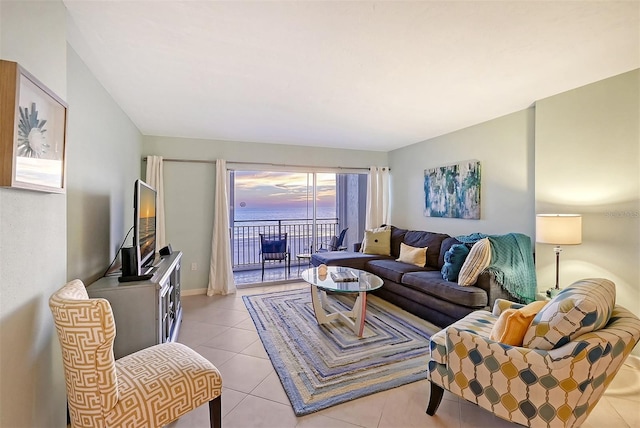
(478, 259)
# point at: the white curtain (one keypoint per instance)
(155, 179)
(377, 197)
(221, 270)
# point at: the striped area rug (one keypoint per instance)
(321, 366)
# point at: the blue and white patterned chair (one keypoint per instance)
(149, 388)
(571, 352)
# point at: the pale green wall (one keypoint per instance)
(48, 239)
(189, 187)
(588, 162)
(33, 240)
(103, 164)
(504, 147)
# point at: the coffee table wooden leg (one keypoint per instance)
(319, 302)
(354, 318)
(361, 302)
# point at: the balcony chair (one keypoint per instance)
(274, 248)
(559, 362)
(149, 388)
(335, 244)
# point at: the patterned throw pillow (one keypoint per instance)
(478, 259)
(512, 324)
(453, 260)
(375, 229)
(377, 242)
(413, 255)
(582, 307)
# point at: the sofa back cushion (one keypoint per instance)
(397, 236)
(433, 241)
(582, 307)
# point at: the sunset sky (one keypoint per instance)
(267, 188)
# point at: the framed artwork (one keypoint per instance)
(453, 191)
(33, 122)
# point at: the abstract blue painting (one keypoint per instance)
(453, 191)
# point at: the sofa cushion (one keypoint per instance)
(431, 240)
(377, 242)
(397, 236)
(453, 260)
(582, 307)
(431, 282)
(350, 259)
(391, 269)
(415, 256)
(478, 259)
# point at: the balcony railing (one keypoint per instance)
(245, 237)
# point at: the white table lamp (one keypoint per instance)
(558, 229)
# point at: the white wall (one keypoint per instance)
(588, 162)
(33, 240)
(189, 187)
(504, 147)
(103, 164)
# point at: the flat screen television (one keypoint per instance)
(144, 224)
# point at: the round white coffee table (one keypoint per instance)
(320, 284)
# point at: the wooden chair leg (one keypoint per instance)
(434, 400)
(215, 412)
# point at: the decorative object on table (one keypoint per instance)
(321, 366)
(33, 123)
(453, 191)
(344, 276)
(558, 229)
(322, 269)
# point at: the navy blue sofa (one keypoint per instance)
(421, 290)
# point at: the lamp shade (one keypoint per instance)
(559, 229)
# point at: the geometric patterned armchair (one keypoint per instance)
(149, 388)
(571, 352)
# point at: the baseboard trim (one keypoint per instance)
(193, 292)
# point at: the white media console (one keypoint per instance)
(146, 312)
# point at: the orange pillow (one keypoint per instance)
(512, 324)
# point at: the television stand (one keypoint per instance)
(147, 311)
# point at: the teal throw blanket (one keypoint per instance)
(511, 263)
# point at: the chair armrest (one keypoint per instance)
(538, 360)
(502, 305)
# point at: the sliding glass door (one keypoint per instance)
(311, 207)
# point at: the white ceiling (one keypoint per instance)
(363, 75)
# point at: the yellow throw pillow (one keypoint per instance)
(512, 324)
(376, 229)
(378, 243)
(413, 255)
(478, 259)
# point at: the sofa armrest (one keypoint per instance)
(494, 289)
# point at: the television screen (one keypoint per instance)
(144, 232)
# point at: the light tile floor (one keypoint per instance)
(221, 329)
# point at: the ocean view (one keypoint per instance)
(249, 223)
(245, 214)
